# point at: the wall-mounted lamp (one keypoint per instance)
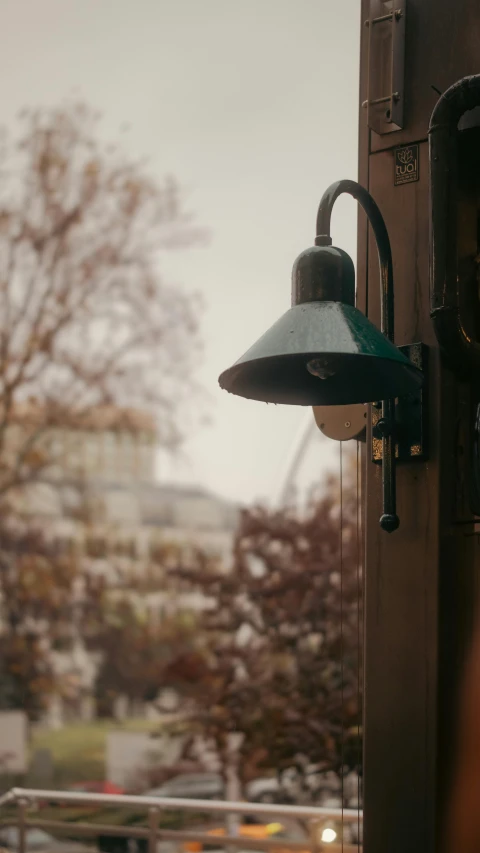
(324, 351)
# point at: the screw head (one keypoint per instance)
(384, 427)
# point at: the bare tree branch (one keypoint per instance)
(85, 313)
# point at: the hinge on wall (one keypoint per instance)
(386, 65)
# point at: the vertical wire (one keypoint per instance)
(359, 645)
(341, 639)
(363, 525)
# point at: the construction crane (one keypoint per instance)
(306, 431)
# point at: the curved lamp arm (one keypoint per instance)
(386, 425)
(377, 222)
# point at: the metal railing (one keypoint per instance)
(26, 799)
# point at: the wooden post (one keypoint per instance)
(420, 580)
(22, 826)
(153, 821)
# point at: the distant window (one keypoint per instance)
(110, 460)
(74, 453)
(146, 456)
(92, 455)
(129, 455)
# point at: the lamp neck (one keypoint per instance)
(377, 222)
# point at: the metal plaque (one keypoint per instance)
(406, 165)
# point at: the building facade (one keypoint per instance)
(99, 496)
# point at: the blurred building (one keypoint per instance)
(100, 490)
(98, 494)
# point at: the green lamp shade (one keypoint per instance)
(321, 354)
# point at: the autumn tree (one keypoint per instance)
(137, 649)
(148, 626)
(43, 595)
(90, 330)
(280, 662)
(53, 596)
(86, 315)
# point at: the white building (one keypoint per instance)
(99, 496)
(100, 490)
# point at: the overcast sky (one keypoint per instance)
(253, 106)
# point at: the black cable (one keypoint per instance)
(359, 642)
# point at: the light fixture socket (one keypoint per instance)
(323, 274)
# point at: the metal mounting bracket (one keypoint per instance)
(342, 423)
(411, 416)
(386, 65)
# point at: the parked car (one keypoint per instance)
(192, 786)
(39, 841)
(253, 829)
(97, 788)
(266, 790)
(210, 786)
